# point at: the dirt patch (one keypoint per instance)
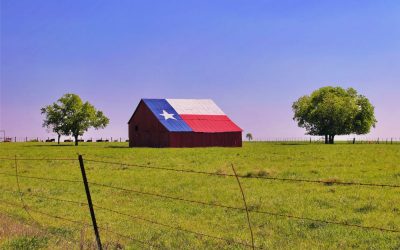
(10, 227)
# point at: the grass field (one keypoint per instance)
(358, 205)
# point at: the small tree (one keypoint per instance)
(331, 111)
(78, 117)
(54, 119)
(249, 136)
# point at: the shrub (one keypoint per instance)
(258, 173)
(329, 181)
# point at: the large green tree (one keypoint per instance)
(331, 111)
(79, 116)
(54, 119)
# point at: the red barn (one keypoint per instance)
(182, 123)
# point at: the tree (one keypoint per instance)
(78, 116)
(249, 136)
(331, 111)
(54, 119)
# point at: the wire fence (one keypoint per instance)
(312, 139)
(63, 139)
(245, 209)
(321, 140)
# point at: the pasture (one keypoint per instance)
(141, 219)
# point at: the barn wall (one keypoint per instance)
(193, 139)
(150, 132)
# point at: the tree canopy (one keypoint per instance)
(249, 136)
(331, 111)
(54, 119)
(73, 116)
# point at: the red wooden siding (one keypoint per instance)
(196, 139)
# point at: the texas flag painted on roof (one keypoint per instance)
(191, 115)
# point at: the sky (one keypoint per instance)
(253, 58)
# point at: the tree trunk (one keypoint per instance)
(331, 139)
(58, 139)
(326, 139)
(76, 140)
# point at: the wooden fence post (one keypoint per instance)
(89, 198)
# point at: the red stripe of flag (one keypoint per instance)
(210, 123)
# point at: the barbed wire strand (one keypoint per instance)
(24, 206)
(42, 178)
(328, 222)
(216, 205)
(129, 237)
(229, 207)
(48, 198)
(326, 182)
(242, 209)
(137, 218)
(38, 159)
(245, 205)
(65, 219)
(38, 227)
(172, 227)
(45, 214)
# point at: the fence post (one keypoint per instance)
(89, 198)
(245, 205)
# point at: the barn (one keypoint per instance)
(182, 123)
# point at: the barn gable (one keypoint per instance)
(182, 123)
(145, 130)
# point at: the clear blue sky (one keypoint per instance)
(254, 58)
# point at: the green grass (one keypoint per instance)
(26, 243)
(359, 205)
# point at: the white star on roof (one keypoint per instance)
(167, 116)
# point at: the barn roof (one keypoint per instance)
(191, 115)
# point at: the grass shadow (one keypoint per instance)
(117, 147)
(294, 144)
